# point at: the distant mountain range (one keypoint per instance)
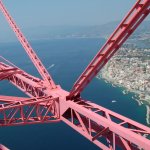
(142, 34)
(72, 31)
(141, 37)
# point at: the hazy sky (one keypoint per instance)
(66, 12)
(30, 14)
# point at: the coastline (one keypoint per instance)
(148, 114)
(136, 97)
(129, 69)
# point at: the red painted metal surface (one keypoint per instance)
(29, 111)
(49, 103)
(2, 147)
(32, 55)
(133, 19)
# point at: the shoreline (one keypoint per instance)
(148, 114)
(140, 95)
(136, 97)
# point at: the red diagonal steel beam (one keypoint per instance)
(133, 19)
(32, 55)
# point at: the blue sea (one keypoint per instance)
(69, 57)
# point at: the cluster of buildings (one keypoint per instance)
(130, 68)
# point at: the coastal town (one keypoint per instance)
(130, 69)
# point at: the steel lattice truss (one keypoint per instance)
(49, 103)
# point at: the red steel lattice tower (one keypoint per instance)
(48, 102)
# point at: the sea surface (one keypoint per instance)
(65, 60)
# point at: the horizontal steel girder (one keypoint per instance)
(29, 111)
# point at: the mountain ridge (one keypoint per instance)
(62, 32)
